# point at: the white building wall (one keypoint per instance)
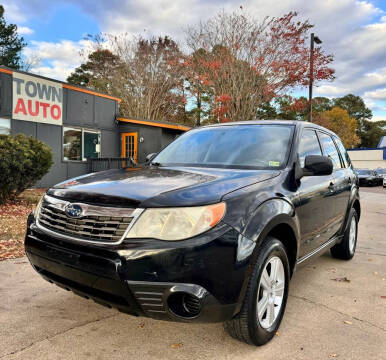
(368, 159)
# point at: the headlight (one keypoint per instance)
(176, 223)
(37, 208)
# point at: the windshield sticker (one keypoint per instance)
(274, 163)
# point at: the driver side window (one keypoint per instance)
(309, 145)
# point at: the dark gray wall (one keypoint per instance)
(52, 136)
(5, 95)
(28, 128)
(110, 143)
(79, 109)
(88, 110)
(168, 136)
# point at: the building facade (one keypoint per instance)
(76, 123)
(368, 158)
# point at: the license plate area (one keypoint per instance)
(63, 256)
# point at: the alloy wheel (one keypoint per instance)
(271, 292)
(352, 235)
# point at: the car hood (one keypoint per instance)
(158, 186)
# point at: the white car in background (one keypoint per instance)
(382, 173)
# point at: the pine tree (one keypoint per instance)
(11, 44)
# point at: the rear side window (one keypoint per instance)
(343, 152)
(330, 150)
(309, 145)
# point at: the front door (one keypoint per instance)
(129, 145)
(316, 201)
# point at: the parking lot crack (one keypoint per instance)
(56, 334)
(339, 312)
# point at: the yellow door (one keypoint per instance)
(129, 145)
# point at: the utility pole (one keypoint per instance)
(314, 39)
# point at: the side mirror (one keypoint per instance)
(316, 165)
(150, 157)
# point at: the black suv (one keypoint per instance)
(210, 230)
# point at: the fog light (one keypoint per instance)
(184, 305)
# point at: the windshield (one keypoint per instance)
(233, 146)
(381, 171)
(364, 172)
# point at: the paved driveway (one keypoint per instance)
(325, 319)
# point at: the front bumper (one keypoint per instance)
(147, 277)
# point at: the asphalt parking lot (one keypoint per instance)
(325, 318)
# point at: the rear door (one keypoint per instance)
(345, 179)
(340, 185)
(316, 199)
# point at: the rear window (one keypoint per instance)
(330, 149)
(343, 152)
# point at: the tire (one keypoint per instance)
(345, 250)
(247, 326)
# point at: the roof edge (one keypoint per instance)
(155, 123)
(6, 70)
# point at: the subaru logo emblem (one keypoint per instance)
(73, 210)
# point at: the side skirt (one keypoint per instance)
(330, 243)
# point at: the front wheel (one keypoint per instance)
(346, 249)
(266, 296)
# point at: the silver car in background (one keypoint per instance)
(382, 174)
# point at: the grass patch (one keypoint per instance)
(13, 223)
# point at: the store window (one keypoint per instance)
(80, 144)
(72, 144)
(5, 126)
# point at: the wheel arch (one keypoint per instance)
(275, 218)
(285, 233)
(354, 203)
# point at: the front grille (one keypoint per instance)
(91, 227)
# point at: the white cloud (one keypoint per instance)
(378, 94)
(56, 60)
(348, 28)
(13, 12)
(353, 30)
(24, 30)
(379, 118)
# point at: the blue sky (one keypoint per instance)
(353, 30)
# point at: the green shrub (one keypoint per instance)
(23, 161)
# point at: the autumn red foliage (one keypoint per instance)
(251, 62)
